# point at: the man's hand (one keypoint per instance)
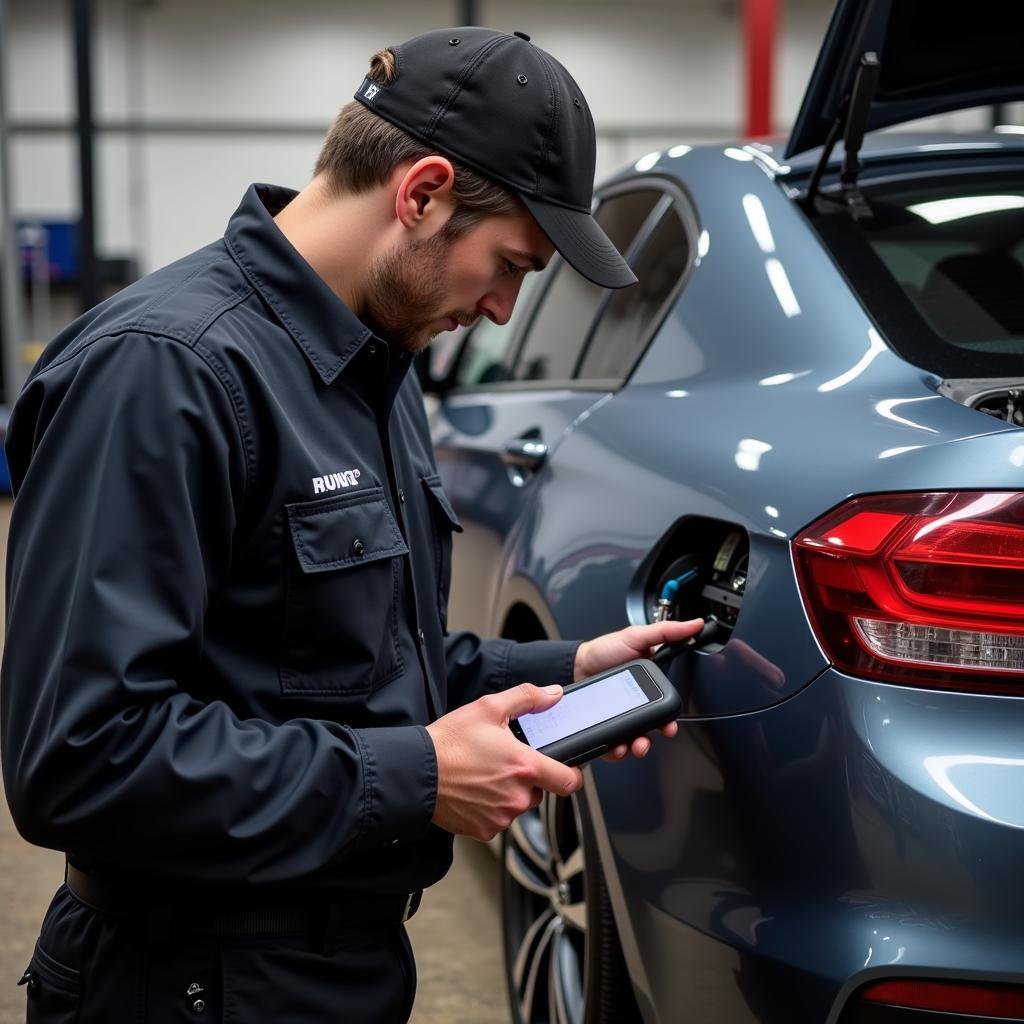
(486, 777)
(605, 652)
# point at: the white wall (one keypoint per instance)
(655, 72)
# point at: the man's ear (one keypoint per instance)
(423, 198)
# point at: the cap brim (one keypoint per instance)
(582, 243)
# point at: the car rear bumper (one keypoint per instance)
(769, 864)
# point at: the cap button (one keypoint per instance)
(522, 35)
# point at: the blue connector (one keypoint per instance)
(668, 594)
(671, 588)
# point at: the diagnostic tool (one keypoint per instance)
(600, 712)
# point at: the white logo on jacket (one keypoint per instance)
(332, 481)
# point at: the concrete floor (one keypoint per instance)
(456, 934)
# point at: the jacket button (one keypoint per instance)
(419, 633)
(401, 495)
(358, 547)
(198, 1006)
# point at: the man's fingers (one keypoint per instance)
(669, 631)
(616, 753)
(556, 777)
(525, 698)
(641, 746)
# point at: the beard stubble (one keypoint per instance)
(402, 292)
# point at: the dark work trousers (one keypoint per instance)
(91, 968)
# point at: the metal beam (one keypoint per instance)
(760, 27)
(10, 269)
(315, 129)
(88, 268)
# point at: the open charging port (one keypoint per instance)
(698, 570)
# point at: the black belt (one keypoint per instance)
(189, 915)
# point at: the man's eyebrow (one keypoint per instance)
(535, 261)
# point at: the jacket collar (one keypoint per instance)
(326, 330)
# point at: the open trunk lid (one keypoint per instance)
(934, 56)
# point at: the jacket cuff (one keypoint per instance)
(541, 662)
(399, 785)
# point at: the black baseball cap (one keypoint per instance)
(509, 110)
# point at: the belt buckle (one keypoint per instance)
(412, 902)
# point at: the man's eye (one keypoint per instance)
(513, 268)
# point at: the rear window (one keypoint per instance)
(961, 261)
(943, 272)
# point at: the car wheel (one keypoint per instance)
(563, 963)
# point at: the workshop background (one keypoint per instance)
(129, 130)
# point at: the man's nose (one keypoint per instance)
(497, 304)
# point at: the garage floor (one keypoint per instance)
(456, 933)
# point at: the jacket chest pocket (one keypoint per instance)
(445, 522)
(341, 596)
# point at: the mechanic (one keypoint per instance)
(228, 691)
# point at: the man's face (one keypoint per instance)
(426, 287)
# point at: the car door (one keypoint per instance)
(515, 395)
(582, 537)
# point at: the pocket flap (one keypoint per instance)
(436, 490)
(344, 531)
(52, 973)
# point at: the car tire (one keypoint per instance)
(563, 961)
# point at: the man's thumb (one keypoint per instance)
(526, 698)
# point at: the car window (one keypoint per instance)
(958, 258)
(940, 265)
(624, 328)
(487, 356)
(562, 323)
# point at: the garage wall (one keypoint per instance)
(197, 98)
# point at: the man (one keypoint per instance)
(228, 690)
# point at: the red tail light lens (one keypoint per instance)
(924, 589)
(1001, 1001)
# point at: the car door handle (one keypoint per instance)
(524, 453)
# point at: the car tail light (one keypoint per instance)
(1004, 1002)
(924, 589)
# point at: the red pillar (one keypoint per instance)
(760, 24)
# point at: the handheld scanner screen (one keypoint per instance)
(581, 709)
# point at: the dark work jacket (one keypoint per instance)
(226, 587)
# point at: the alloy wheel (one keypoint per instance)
(546, 913)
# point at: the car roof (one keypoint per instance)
(892, 144)
(878, 147)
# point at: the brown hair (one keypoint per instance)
(362, 150)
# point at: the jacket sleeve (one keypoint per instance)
(130, 467)
(477, 667)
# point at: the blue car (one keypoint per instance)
(804, 424)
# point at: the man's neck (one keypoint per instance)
(336, 236)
